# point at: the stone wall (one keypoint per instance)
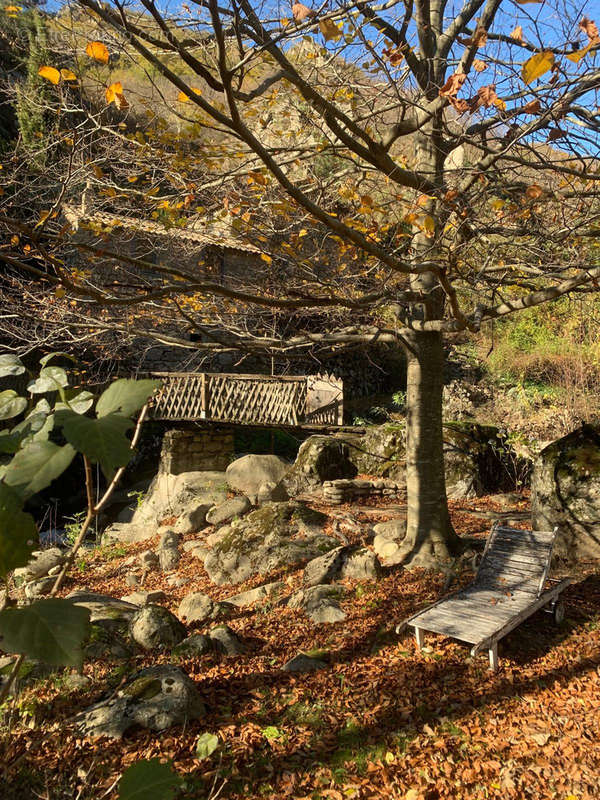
(196, 450)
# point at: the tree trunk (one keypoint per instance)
(430, 536)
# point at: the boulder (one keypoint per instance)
(156, 698)
(174, 495)
(148, 560)
(388, 541)
(320, 603)
(145, 598)
(155, 628)
(381, 451)
(271, 492)
(192, 520)
(226, 641)
(199, 607)
(126, 533)
(320, 458)
(273, 536)
(303, 663)
(253, 596)
(565, 492)
(39, 588)
(247, 474)
(342, 562)
(234, 507)
(195, 645)
(168, 558)
(218, 536)
(104, 609)
(40, 564)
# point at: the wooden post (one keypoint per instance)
(420, 637)
(494, 657)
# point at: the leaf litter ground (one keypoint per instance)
(382, 720)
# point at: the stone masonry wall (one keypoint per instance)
(196, 450)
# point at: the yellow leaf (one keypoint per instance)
(266, 258)
(68, 75)
(59, 292)
(498, 204)
(50, 73)
(112, 91)
(13, 9)
(537, 66)
(97, 51)
(183, 97)
(120, 102)
(579, 54)
(429, 225)
(329, 30)
(98, 171)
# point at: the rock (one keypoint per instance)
(75, 681)
(270, 492)
(156, 698)
(132, 580)
(200, 552)
(175, 495)
(193, 519)
(320, 458)
(199, 607)
(273, 536)
(303, 663)
(227, 641)
(565, 492)
(148, 560)
(126, 533)
(249, 473)
(388, 541)
(191, 544)
(218, 536)
(325, 568)
(253, 596)
(361, 565)
(168, 538)
(39, 588)
(108, 641)
(41, 563)
(195, 645)
(320, 603)
(234, 507)
(145, 598)
(104, 608)
(55, 570)
(155, 628)
(380, 451)
(168, 558)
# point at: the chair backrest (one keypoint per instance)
(516, 560)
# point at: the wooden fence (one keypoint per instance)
(251, 399)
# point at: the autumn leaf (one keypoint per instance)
(300, 12)
(429, 226)
(453, 85)
(556, 133)
(537, 66)
(184, 98)
(534, 191)
(579, 54)
(517, 35)
(67, 74)
(97, 51)
(330, 30)
(479, 66)
(532, 107)
(50, 74)
(590, 29)
(113, 90)
(395, 57)
(486, 96)
(460, 104)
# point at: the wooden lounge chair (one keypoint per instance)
(509, 587)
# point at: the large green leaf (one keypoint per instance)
(10, 365)
(11, 405)
(34, 428)
(77, 400)
(126, 395)
(18, 533)
(148, 780)
(102, 440)
(45, 360)
(50, 379)
(52, 631)
(37, 465)
(206, 744)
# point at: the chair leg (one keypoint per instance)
(420, 637)
(494, 657)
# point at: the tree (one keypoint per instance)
(415, 170)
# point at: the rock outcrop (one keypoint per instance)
(565, 492)
(249, 473)
(319, 459)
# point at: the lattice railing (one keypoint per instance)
(251, 399)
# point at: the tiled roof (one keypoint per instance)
(209, 236)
